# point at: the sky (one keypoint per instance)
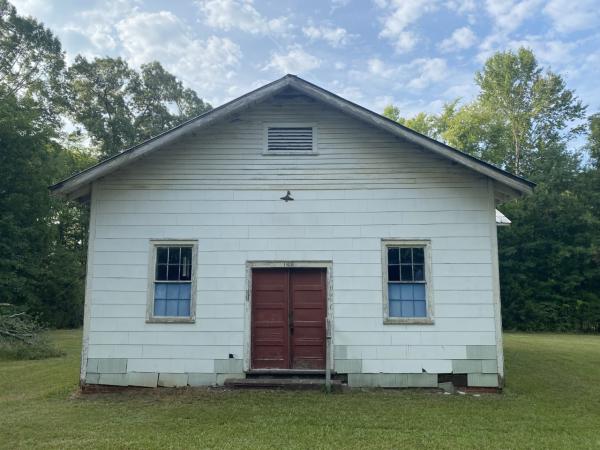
(416, 54)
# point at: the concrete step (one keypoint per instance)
(294, 383)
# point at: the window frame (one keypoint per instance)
(406, 243)
(154, 244)
(267, 152)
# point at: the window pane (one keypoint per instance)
(394, 291)
(160, 307)
(161, 272)
(174, 255)
(406, 255)
(419, 272)
(185, 273)
(395, 308)
(161, 255)
(183, 309)
(173, 291)
(419, 292)
(406, 292)
(171, 308)
(418, 255)
(160, 290)
(185, 290)
(393, 273)
(420, 309)
(407, 309)
(393, 255)
(173, 272)
(406, 273)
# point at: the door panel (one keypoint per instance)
(307, 331)
(270, 319)
(289, 307)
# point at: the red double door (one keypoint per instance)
(288, 318)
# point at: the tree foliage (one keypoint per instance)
(43, 239)
(120, 107)
(522, 120)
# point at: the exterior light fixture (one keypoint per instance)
(287, 197)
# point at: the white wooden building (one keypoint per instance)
(292, 231)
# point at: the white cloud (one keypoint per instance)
(461, 38)
(508, 15)
(569, 15)
(428, 71)
(34, 8)
(242, 15)
(400, 14)
(337, 4)
(379, 68)
(336, 37)
(295, 61)
(461, 6)
(97, 26)
(205, 64)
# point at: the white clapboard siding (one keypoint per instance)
(219, 189)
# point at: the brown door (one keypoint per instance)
(288, 318)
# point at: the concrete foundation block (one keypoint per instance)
(348, 365)
(92, 378)
(112, 365)
(447, 387)
(482, 380)
(481, 352)
(489, 366)
(422, 380)
(221, 377)
(173, 379)
(229, 365)
(392, 380)
(202, 379)
(144, 379)
(113, 379)
(466, 366)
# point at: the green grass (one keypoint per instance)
(552, 400)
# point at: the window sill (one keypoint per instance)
(290, 153)
(408, 321)
(171, 320)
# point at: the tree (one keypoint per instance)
(593, 144)
(522, 120)
(31, 60)
(532, 107)
(120, 107)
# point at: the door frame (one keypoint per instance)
(327, 265)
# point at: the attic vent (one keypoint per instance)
(289, 139)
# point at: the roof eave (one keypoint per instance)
(71, 187)
(72, 184)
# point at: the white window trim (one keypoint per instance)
(154, 243)
(426, 244)
(268, 125)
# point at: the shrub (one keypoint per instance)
(22, 336)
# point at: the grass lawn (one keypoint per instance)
(552, 400)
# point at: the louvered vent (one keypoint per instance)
(290, 139)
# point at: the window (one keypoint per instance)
(171, 296)
(290, 139)
(406, 274)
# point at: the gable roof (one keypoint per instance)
(78, 185)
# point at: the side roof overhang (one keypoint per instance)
(79, 184)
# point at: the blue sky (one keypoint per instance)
(416, 54)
